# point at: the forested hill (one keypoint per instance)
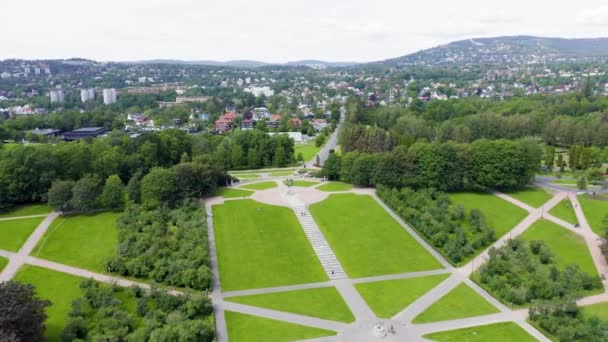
(512, 50)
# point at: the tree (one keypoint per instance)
(280, 159)
(332, 166)
(581, 184)
(113, 195)
(549, 157)
(134, 187)
(560, 162)
(21, 312)
(60, 194)
(157, 187)
(85, 193)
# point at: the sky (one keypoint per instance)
(277, 30)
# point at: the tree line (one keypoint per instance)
(501, 164)
(104, 314)
(441, 223)
(523, 272)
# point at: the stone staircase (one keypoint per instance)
(328, 259)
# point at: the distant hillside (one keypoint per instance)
(246, 63)
(515, 50)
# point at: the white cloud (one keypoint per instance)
(276, 30)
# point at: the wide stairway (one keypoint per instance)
(328, 259)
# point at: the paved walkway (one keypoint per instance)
(22, 217)
(361, 329)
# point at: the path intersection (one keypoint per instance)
(362, 329)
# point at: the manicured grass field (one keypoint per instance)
(26, 210)
(532, 196)
(323, 303)
(261, 245)
(247, 328)
(599, 310)
(280, 173)
(85, 241)
(260, 186)
(335, 186)
(60, 288)
(14, 233)
(500, 214)
(247, 176)
(595, 210)
(564, 211)
(3, 263)
(234, 193)
(308, 150)
(366, 239)
(387, 298)
(567, 247)
(304, 184)
(507, 331)
(461, 302)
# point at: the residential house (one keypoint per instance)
(274, 121)
(319, 124)
(247, 124)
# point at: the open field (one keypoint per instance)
(564, 211)
(532, 196)
(567, 247)
(85, 241)
(234, 193)
(247, 328)
(500, 214)
(61, 289)
(388, 298)
(304, 184)
(26, 210)
(260, 186)
(268, 170)
(461, 302)
(366, 240)
(507, 331)
(599, 310)
(323, 303)
(281, 173)
(14, 233)
(595, 211)
(308, 150)
(258, 245)
(335, 186)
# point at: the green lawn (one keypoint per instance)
(308, 150)
(14, 233)
(304, 184)
(532, 196)
(281, 173)
(564, 211)
(262, 248)
(26, 210)
(60, 288)
(3, 263)
(500, 214)
(234, 193)
(335, 186)
(366, 239)
(247, 328)
(387, 298)
(461, 302)
(599, 310)
(260, 186)
(507, 331)
(85, 241)
(246, 176)
(567, 247)
(595, 210)
(323, 303)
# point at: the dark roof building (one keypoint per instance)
(84, 133)
(47, 132)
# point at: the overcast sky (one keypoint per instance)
(277, 30)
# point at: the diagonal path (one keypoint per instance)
(22, 217)
(17, 260)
